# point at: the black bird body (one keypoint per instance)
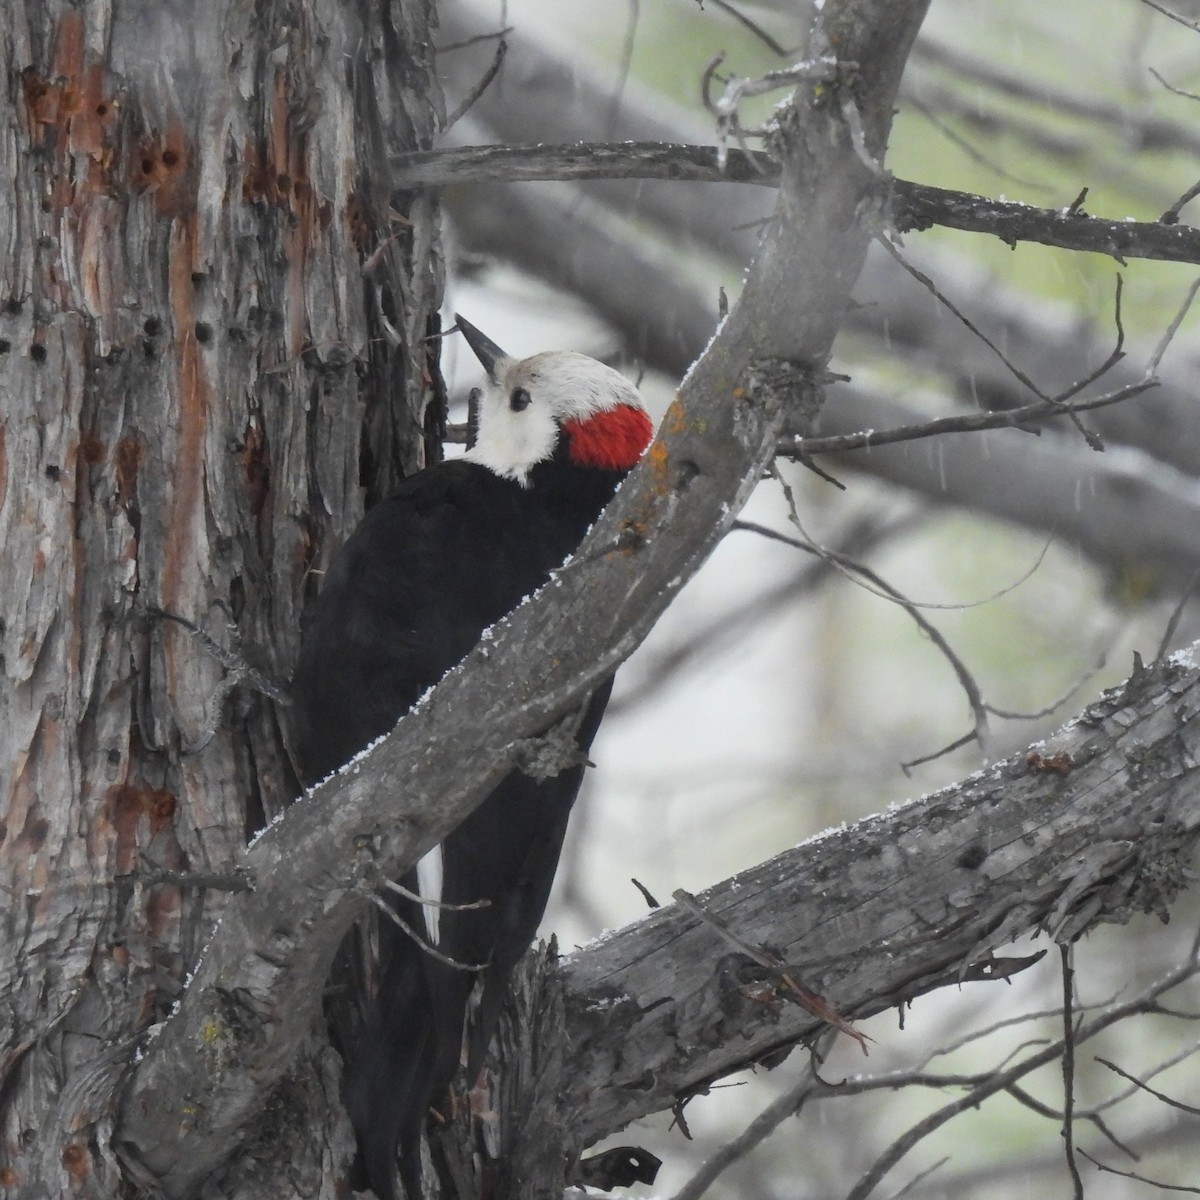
(457, 547)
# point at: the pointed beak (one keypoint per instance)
(485, 349)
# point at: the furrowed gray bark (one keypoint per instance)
(194, 368)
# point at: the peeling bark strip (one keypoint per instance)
(201, 392)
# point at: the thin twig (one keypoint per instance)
(1176, 614)
(1056, 401)
(808, 999)
(1172, 88)
(624, 66)
(1050, 709)
(979, 708)
(758, 31)
(920, 1178)
(1166, 12)
(849, 566)
(481, 87)
(1068, 1068)
(793, 446)
(384, 907)
(1166, 1187)
(1172, 329)
(1145, 130)
(441, 905)
(1172, 213)
(1145, 1087)
(975, 155)
(474, 41)
(1165, 1064)
(767, 1121)
(231, 660)
(1000, 1081)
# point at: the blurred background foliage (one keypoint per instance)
(780, 697)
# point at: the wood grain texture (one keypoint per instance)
(203, 388)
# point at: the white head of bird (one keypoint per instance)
(530, 402)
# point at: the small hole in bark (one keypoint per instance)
(203, 333)
(972, 857)
(37, 353)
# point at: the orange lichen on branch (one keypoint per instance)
(76, 1160)
(1057, 764)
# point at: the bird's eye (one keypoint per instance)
(519, 400)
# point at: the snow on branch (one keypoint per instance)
(1097, 823)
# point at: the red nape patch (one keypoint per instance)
(612, 440)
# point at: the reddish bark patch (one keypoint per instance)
(162, 808)
(91, 449)
(162, 912)
(185, 518)
(358, 223)
(130, 453)
(42, 99)
(126, 804)
(77, 1160)
(256, 467)
(162, 164)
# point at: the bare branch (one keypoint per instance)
(1009, 850)
(1174, 16)
(765, 1124)
(1145, 1087)
(1068, 1067)
(485, 80)
(976, 422)
(918, 206)
(911, 206)
(1002, 1080)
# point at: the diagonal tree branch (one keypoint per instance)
(1099, 822)
(256, 992)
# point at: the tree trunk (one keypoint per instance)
(212, 355)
